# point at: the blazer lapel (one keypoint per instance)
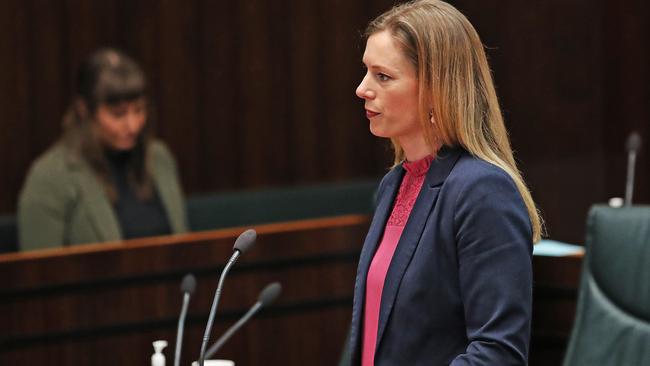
(440, 168)
(375, 232)
(164, 183)
(97, 205)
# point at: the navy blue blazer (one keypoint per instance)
(459, 287)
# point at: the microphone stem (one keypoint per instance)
(179, 334)
(220, 342)
(215, 302)
(629, 186)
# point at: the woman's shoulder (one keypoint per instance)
(159, 150)
(475, 180)
(470, 170)
(53, 162)
(51, 172)
(160, 156)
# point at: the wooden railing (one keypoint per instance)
(104, 304)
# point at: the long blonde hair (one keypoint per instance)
(456, 90)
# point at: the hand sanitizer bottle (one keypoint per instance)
(158, 358)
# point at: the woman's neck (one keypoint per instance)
(418, 148)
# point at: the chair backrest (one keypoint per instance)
(612, 325)
(228, 209)
(8, 234)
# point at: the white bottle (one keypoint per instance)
(616, 202)
(158, 358)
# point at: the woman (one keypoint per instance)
(106, 178)
(445, 274)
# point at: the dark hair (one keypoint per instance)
(107, 76)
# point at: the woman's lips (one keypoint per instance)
(371, 114)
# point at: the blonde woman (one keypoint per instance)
(445, 274)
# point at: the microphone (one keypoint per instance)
(188, 285)
(242, 244)
(632, 145)
(267, 296)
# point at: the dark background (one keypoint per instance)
(251, 94)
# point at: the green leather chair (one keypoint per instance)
(612, 326)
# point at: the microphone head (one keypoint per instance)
(633, 142)
(188, 285)
(245, 240)
(270, 293)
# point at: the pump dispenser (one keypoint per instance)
(158, 358)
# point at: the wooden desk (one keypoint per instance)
(104, 304)
(555, 292)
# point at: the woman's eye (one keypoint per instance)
(117, 113)
(382, 77)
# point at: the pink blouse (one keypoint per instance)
(409, 189)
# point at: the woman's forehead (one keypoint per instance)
(384, 51)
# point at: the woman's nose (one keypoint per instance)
(363, 91)
(133, 122)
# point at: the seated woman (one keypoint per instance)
(106, 178)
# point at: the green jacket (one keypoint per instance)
(63, 203)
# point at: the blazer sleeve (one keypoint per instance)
(494, 246)
(42, 210)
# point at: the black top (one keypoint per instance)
(137, 218)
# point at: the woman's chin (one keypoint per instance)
(378, 132)
(122, 146)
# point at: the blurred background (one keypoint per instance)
(255, 93)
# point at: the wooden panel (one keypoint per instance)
(555, 293)
(15, 103)
(627, 93)
(177, 107)
(219, 97)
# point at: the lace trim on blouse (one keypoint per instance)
(409, 189)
